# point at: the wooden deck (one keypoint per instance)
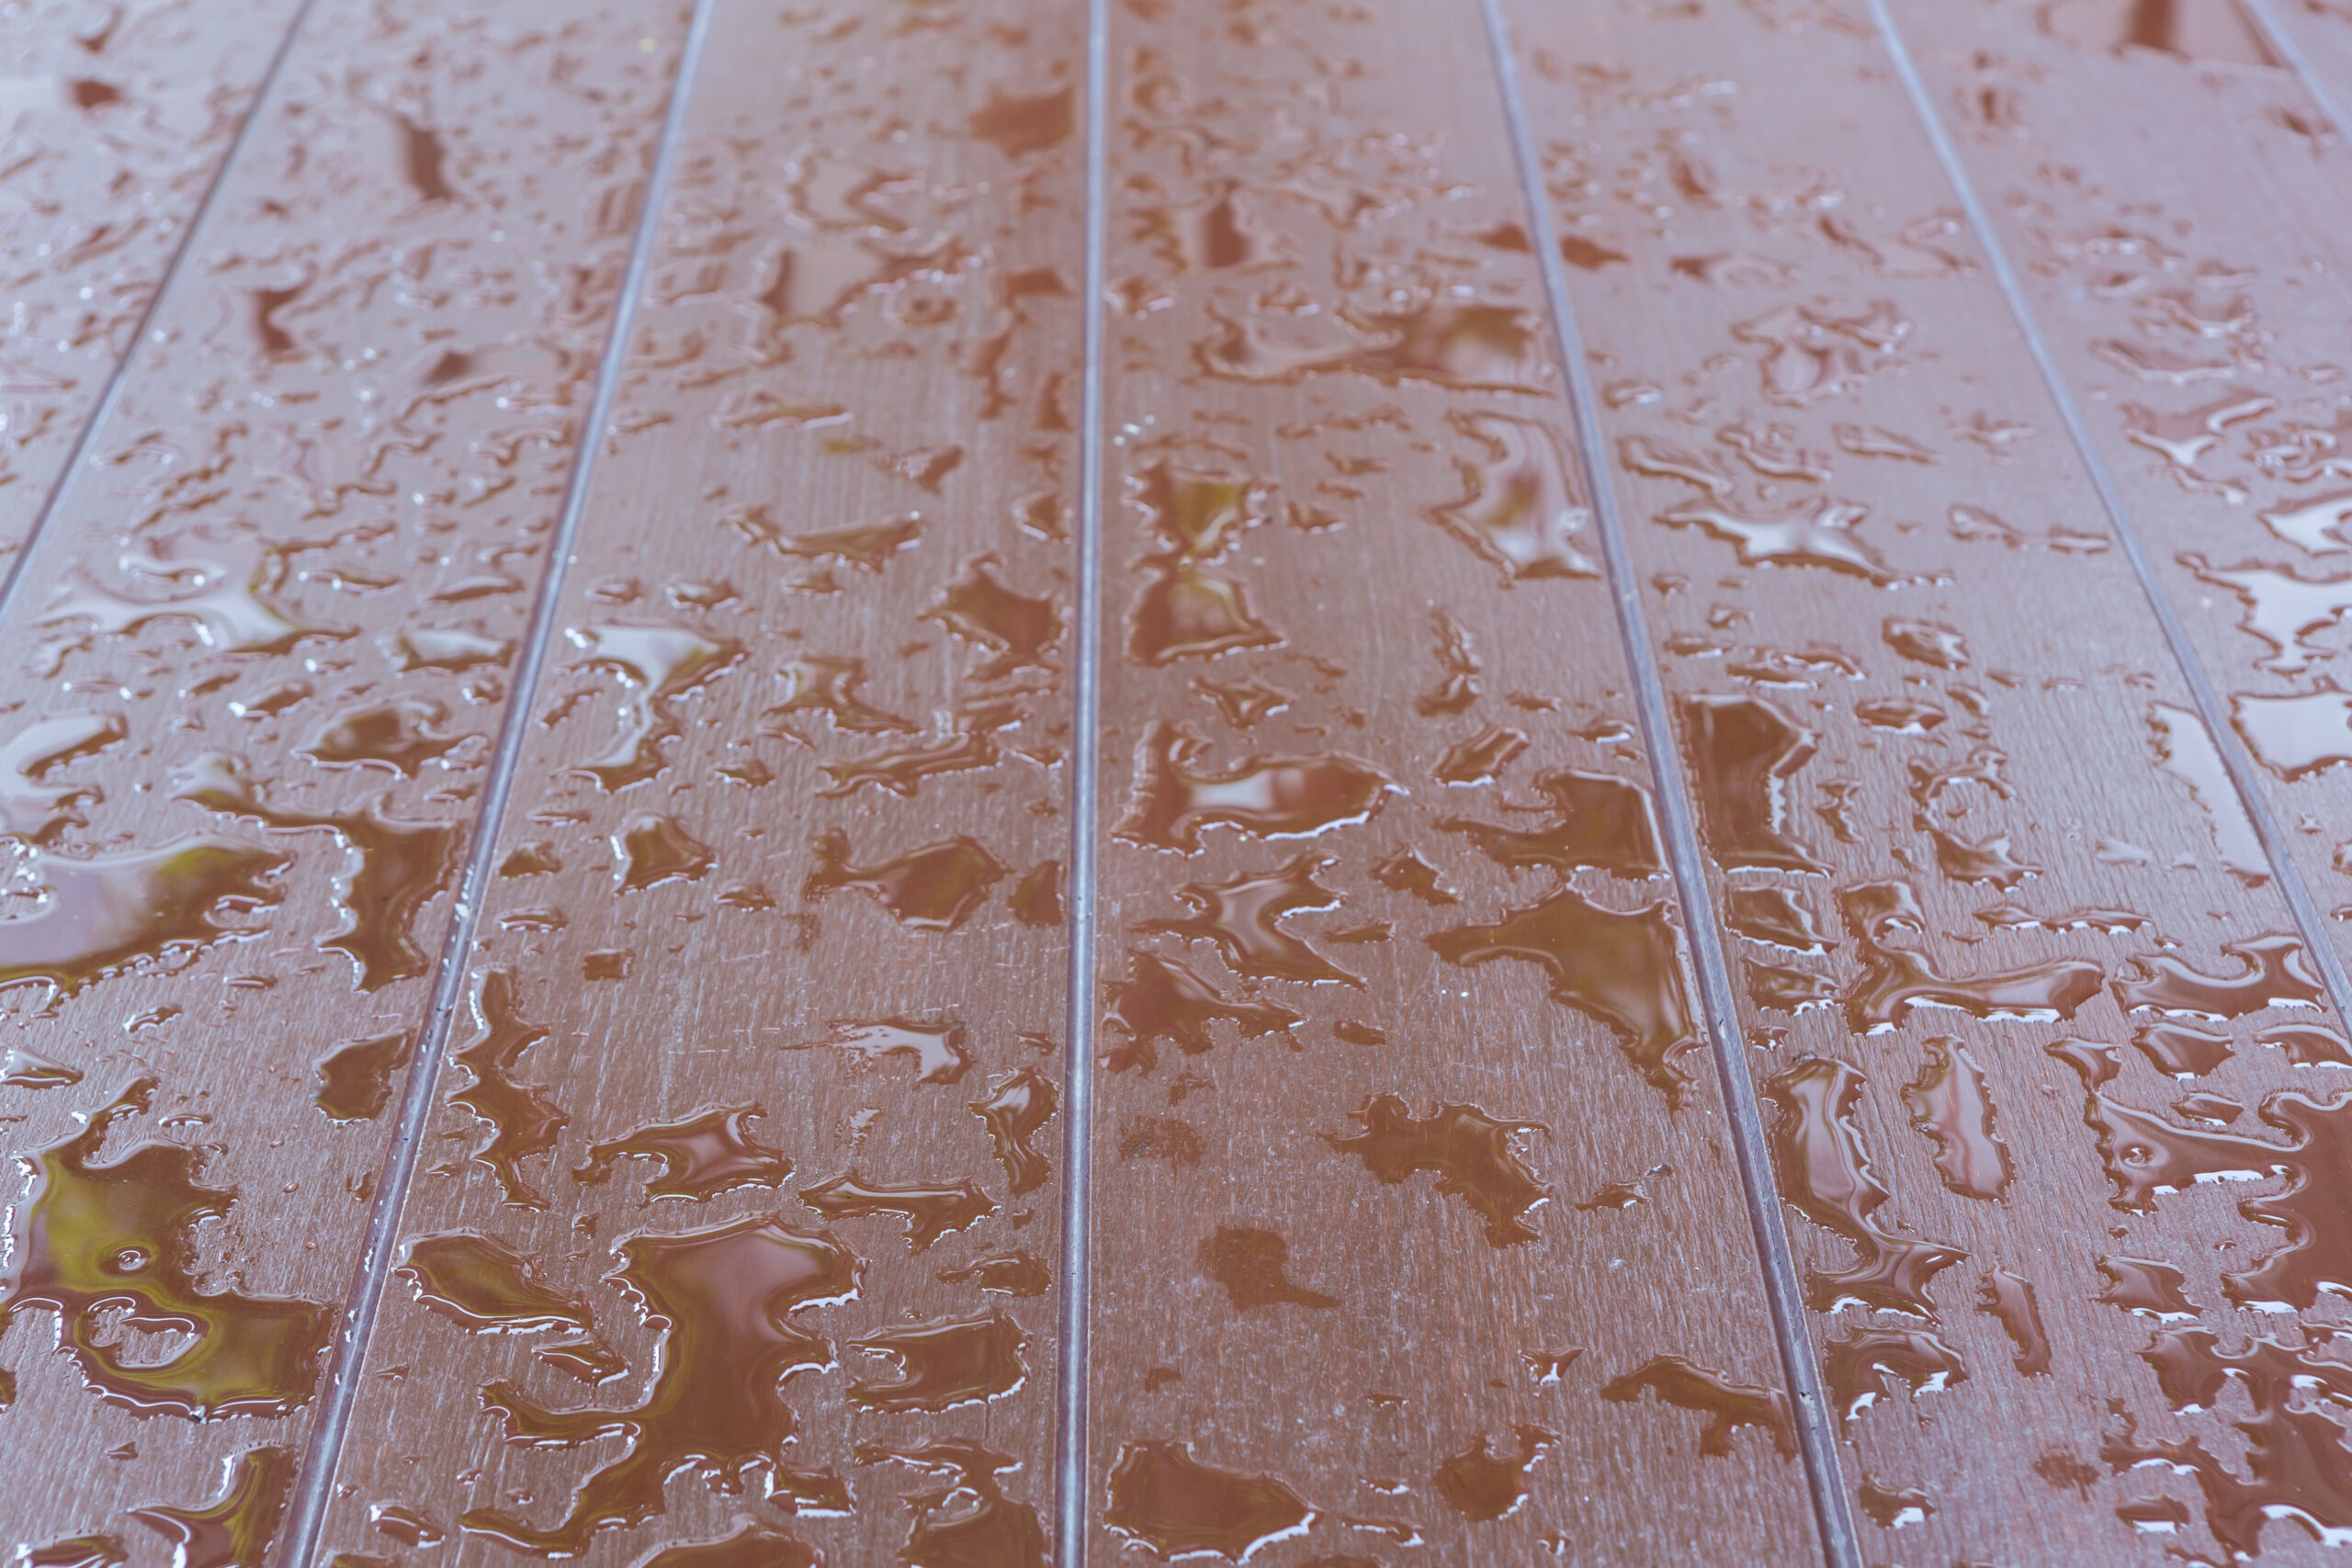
(1469, 782)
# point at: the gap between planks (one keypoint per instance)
(314, 1485)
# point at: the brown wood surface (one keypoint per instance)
(1429, 1186)
(1799, 313)
(790, 805)
(729, 1227)
(114, 122)
(258, 661)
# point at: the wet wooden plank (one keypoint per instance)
(742, 1218)
(1400, 1235)
(2185, 258)
(257, 665)
(1918, 683)
(113, 120)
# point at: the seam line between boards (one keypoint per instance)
(13, 579)
(1839, 1539)
(325, 1450)
(1071, 1452)
(2283, 43)
(2234, 758)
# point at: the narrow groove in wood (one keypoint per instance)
(2284, 44)
(12, 578)
(314, 1484)
(2209, 703)
(1086, 738)
(1841, 1543)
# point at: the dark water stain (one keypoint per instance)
(944, 1365)
(1622, 968)
(1017, 125)
(1251, 1265)
(1475, 1156)
(931, 1210)
(1727, 1406)
(702, 1156)
(722, 1298)
(90, 1239)
(1163, 998)
(1163, 1498)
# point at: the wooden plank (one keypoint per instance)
(1398, 1223)
(2186, 259)
(113, 124)
(748, 1139)
(1918, 681)
(259, 660)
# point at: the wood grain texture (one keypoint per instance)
(1865, 538)
(257, 667)
(2186, 254)
(784, 849)
(1411, 1169)
(114, 121)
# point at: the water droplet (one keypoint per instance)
(1243, 918)
(1825, 1175)
(1482, 1485)
(1897, 980)
(1598, 822)
(749, 1545)
(978, 608)
(1858, 1366)
(484, 1286)
(653, 849)
(1163, 998)
(2277, 975)
(31, 808)
(943, 1365)
(656, 666)
(1005, 1273)
(354, 1079)
(1163, 1498)
(2009, 1298)
(237, 1530)
(941, 1050)
(930, 1209)
(2146, 1287)
(702, 1156)
(1892, 1507)
(70, 1238)
(522, 1119)
(1728, 1406)
(1743, 751)
(400, 737)
(1622, 968)
(1521, 506)
(934, 888)
(1015, 1113)
(1474, 1155)
(1950, 1104)
(981, 1528)
(1274, 797)
(723, 1298)
(100, 914)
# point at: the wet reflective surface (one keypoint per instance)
(542, 1019)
